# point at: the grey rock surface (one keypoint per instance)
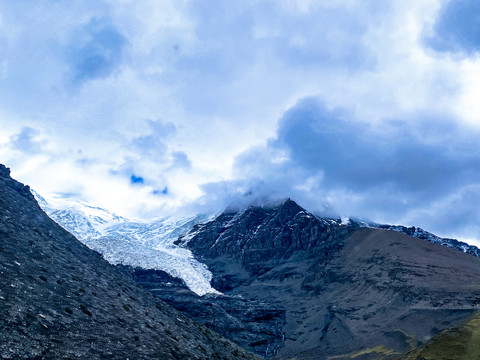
(60, 300)
(347, 291)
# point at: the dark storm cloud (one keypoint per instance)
(403, 170)
(358, 157)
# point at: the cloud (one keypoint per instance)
(400, 172)
(95, 50)
(153, 143)
(356, 156)
(27, 141)
(456, 28)
(180, 160)
(231, 93)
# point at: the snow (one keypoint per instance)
(140, 244)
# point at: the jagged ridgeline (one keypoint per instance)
(294, 286)
(60, 300)
(335, 290)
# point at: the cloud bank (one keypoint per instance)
(366, 109)
(424, 174)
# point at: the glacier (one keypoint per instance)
(131, 242)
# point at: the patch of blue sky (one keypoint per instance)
(161, 192)
(136, 179)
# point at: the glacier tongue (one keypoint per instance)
(139, 244)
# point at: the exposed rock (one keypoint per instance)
(348, 292)
(58, 299)
(239, 246)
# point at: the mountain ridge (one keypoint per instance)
(282, 255)
(346, 289)
(59, 299)
(99, 230)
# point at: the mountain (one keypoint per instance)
(288, 283)
(139, 244)
(61, 300)
(150, 245)
(346, 290)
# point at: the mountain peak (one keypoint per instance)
(290, 206)
(263, 235)
(334, 278)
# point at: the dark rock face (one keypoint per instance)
(239, 246)
(58, 299)
(347, 291)
(253, 324)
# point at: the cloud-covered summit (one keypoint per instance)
(422, 171)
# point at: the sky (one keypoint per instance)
(150, 108)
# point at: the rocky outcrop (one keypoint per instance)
(58, 299)
(347, 291)
(240, 246)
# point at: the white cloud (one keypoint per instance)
(222, 74)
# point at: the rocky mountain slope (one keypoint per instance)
(346, 291)
(287, 254)
(59, 299)
(150, 245)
